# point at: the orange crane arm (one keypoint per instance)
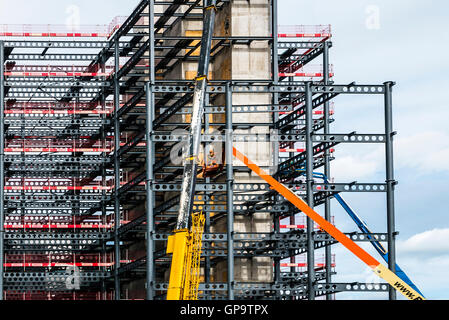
(375, 265)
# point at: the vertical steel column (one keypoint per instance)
(327, 171)
(275, 72)
(117, 215)
(103, 174)
(229, 190)
(2, 162)
(293, 216)
(310, 202)
(207, 264)
(149, 193)
(390, 182)
(150, 266)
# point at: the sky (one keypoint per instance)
(374, 41)
(406, 42)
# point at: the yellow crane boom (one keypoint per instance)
(185, 245)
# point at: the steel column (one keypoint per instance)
(390, 182)
(117, 215)
(207, 264)
(230, 193)
(103, 172)
(327, 172)
(150, 266)
(310, 202)
(2, 162)
(149, 194)
(275, 146)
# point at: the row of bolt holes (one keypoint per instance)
(53, 121)
(57, 131)
(69, 235)
(77, 159)
(52, 167)
(345, 89)
(240, 208)
(262, 287)
(52, 57)
(182, 89)
(39, 218)
(365, 187)
(263, 88)
(38, 183)
(46, 280)
(243, 109)
(56, 94)
(61, 83)
(366, 287)
(50, 198)
(295, 45)
(353, 138)
(52, 90)
(206, 286)
(264, 138)
(67, 212)
(55, 117)
(59, 44)
(97, 192)
(50, 242)
(47, 68)
(40, 275)
(261, 138)
(362, 237)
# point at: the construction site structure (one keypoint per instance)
(94, 123)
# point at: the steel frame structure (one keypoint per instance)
(87, 181)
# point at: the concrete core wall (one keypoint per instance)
(240, 62)
(237, 62)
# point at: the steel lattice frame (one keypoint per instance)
(133, 200)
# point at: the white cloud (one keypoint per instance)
(345, 168)
(425, 151)
(430, 242)
(425, 259)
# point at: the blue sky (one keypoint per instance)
(410, 47)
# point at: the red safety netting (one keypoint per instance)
(308, 71)
(301, 223)
(301, 262)
(61, 30)
(318, 111)
(305, 31)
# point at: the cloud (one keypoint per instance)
(425, 151)
(425, 259)
(345, 168)
(431, 242)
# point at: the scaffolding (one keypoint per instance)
(89, 186)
